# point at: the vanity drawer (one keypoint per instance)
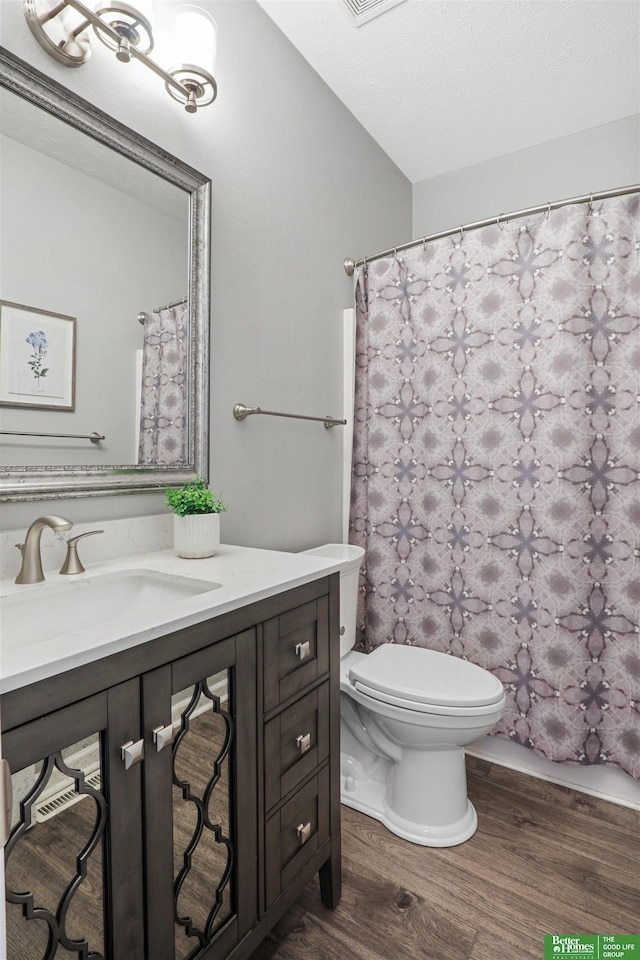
(295, 742)
(296, 651)
(295, 833)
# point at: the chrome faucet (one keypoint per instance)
(31, 569)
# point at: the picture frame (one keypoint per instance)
(37, 358)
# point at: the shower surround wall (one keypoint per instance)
(496, 465)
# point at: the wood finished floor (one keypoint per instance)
(545, 860)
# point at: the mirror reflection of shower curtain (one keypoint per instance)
(163, 439)
(496, 467)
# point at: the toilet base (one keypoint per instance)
(369, 797)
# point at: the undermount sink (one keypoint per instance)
(50, 610)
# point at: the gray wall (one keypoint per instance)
(297, 186)
(598, 159)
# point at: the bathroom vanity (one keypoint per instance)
(196, 757)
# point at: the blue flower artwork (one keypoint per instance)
(38, 340)
(37, 357)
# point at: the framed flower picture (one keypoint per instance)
(37, 358)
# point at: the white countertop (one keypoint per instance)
(244, 574)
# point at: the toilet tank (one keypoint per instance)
(349, 577)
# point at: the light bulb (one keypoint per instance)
(194, 37)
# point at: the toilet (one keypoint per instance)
(406, 715)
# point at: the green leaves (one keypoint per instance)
(193, 498)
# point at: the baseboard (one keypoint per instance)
(604, 782)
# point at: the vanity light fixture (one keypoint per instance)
(61, 27)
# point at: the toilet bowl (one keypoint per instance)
(406, 715)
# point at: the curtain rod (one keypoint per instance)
(350, 264)
(165, 306)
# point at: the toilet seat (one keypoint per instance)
(426, 681)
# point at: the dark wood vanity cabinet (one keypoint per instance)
(300, 694)
(59, 885)
(171, 801)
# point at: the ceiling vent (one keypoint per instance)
(361, 11)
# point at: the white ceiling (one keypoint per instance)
(444, 84)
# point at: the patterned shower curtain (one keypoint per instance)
(496, 483)
(163, 432)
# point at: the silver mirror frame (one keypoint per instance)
(23, 483)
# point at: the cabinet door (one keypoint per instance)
(74, 857)
(201, 877)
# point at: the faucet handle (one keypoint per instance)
(72, 562)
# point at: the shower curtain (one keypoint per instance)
(163, 432)
(496, 461)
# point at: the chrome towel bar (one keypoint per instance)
(241, 412)
(94, 437)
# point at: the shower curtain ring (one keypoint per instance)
(461, 233)
(498, 224)
(546, 216)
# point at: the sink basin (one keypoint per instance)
(54, 610)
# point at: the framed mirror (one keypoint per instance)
(104, 235)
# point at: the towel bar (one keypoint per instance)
(241, 411)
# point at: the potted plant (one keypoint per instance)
(196, 521)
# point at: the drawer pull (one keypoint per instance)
(303, 742)
(132, 753)
(163, 736)
(303, 832)
(303, 650)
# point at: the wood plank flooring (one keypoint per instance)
(545, 860)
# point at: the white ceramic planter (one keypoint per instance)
(196, 536)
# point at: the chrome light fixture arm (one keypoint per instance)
(122, 29)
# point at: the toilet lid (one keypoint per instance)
(418, 675)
